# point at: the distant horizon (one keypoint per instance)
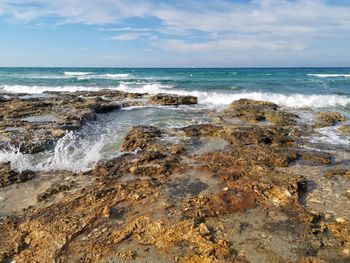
(267, 67)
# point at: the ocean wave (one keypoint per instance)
(151, 88)
(105, 76)
(221, 98)
(209, 98)
(41, 89)
(76, 73)
(329, 75)
(71, 153)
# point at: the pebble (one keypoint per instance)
(136, 196)
(316, 201)
(340, 220)
(203, 229)
(225, 189)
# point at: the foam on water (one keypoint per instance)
(105, 76)
(41, 89)
(222, 98)
(76, 73)
(330, 75)
(209, 98)
(71, 152)
(330, 135)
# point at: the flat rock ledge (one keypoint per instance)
(167, 200)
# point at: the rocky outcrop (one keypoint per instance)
(325, 119)
(158, 200)
(168, 99)
(256, 111)
(140, 137)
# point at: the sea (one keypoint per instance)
(301, 90)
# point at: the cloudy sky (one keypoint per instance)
(182, 33)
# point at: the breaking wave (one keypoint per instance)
(221, 98)
(71, 152)
(330, 75)
(105, 76)
(41, 89)
(78, 73)
(205, 97)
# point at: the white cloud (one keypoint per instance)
(271, 25)
(129, 36)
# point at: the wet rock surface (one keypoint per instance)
(166, 99)
(34, 124)
(8, 176)
(326, 119)
(165, 199)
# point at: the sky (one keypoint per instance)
(181, 33)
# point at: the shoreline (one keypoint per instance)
(233, 186)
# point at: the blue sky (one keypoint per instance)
(182, 33)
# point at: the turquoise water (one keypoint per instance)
(290, 87)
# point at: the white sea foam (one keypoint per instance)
(105, 76)
(330, 75)
(76, 73)
(330, 135)
(209, 98)
(71, 153)
(221, 98)
(41, 89)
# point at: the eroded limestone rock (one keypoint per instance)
(325, 119)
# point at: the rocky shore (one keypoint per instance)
(239, 188)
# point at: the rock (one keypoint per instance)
(203, 229)
(58, 133)
(201, 130)
(9, 176)
(55, 189)
(241, 135)
(106, 212)
(168, 99)
(325, 119)
(316, 157)
(127, 255)
(250, 110)
(140, 137)
(343, 172)
(255, 111)
(105, 107)
(345, 129)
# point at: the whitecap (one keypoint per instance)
(41, 89)
(330, 75)
(222, 98)
(76, 73)
(105, 76)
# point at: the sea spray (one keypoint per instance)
(72, 152)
